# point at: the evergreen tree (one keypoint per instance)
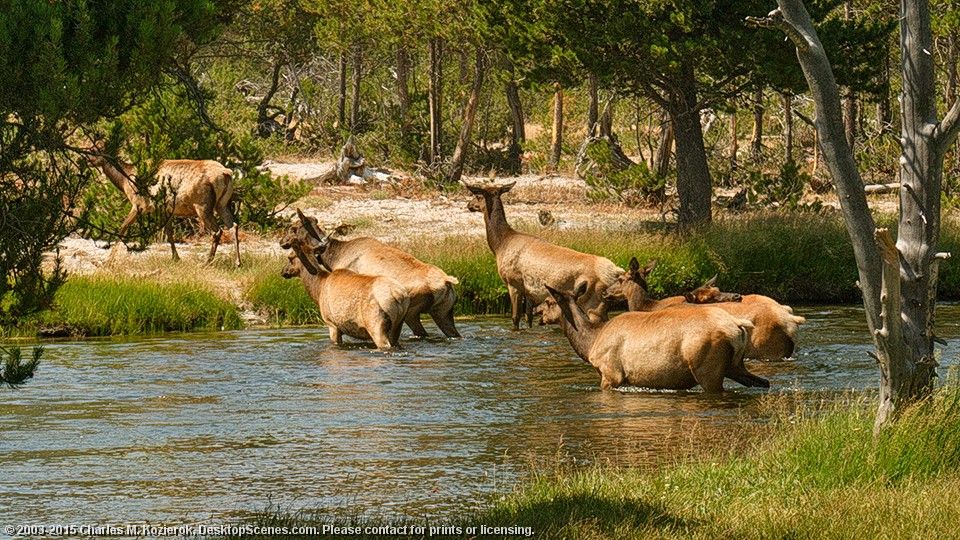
(67, 65)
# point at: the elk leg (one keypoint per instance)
(335, 335)
(168, 231)
(445, 323)
(413, 321)
(217, 234)
(516, 304)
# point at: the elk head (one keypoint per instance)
(708, 293)
(479, 203)
(307, 241)
(632, 284)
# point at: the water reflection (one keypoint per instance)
(198, 429)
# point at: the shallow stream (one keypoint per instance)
(207, 428)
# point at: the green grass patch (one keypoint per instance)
(791, 257)
(102, 306)
(814, 472)
(283, 301)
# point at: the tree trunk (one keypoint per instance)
(884, 117)
(921, 172)
(606, 118)
(850, 116)
(756, 138)
(435, 91)
(734, 142)
(693, 175)
(557, 141)
(342, 90)
(403, 89)
(593, 109)
(950, 89)
(266, 124)
(355, 103)
(517, 131)
(788, 127)
(661, 157)
(899, 295)
(469, 115)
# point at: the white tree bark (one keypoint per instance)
(898, 281)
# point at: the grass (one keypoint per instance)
(803, 258)
(814, 472)
(102, 306)
(283, 301)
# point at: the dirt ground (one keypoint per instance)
(393, 210)
(390, 211)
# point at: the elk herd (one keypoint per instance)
(368, 290)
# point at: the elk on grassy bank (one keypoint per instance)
(527, 264)
(670, 349)
(357, 305)
(431, 290)
(775, 326)
(193, 188)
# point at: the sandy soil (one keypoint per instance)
(390, 211)
(393, 211)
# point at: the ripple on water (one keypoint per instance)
(200, 428)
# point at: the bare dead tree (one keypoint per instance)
(898, 280)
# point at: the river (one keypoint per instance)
(208, 428)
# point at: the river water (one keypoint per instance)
(208, 428)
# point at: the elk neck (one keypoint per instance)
(495, 220)
(580, 331)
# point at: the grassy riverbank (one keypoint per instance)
(813, 472)
(803, 258)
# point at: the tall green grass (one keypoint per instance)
(283, 301)
(101, 306)
(791, 257)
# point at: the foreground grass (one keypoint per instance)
(813, 473)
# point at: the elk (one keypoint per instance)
(195, 188)
(431, 290)
(671, 349)
(527, 264)
(359, 305)
(774, 325)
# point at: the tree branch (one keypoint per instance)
(947, 130)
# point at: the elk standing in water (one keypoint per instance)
(671, 349)
(195, 188)
(361, 306)
(775, 326)
(431, 289)
(527, 264)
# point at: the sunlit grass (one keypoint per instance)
(122, 305)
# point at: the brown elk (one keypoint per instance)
(774, 325)
(194, 188)
(527, 264)
(672, 349)
(358, 305)
(430, 288)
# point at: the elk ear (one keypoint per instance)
(711, 282)
(307, 263)
(634, 264)
(688, 296)
(476, 190)
(553, 292)
(309, 226)
(506, 188)
(649, 267)
(580, 290)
